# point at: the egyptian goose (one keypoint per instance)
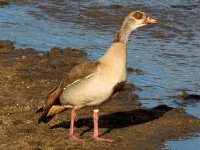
(93, 82)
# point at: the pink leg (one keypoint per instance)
(72, 136)
(96, 130)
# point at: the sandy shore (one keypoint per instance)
(27, 76)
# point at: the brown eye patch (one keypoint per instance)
(138, 15)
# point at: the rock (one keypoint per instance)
(3, 3)
(6, 46)
(131, 87)
(135, 71)
(186, 96)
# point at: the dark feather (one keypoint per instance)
(39, 110)
(118, 87)
(52, 100)
(43, 117)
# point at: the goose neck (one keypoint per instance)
(123, 34)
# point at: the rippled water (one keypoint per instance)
(168, 52)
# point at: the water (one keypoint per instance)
(188, 144)
(168, 53)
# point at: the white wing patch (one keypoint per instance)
(89, 76)
(73, 82)
(77, 81)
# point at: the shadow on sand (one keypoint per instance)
(119, 119)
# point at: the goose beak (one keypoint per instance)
(150, 21)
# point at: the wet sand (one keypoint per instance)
(27, 76)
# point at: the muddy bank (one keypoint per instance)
(27, 76)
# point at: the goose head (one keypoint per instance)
(133, 21)
(138, 19)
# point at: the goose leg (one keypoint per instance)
(96, 130)
(72, 135)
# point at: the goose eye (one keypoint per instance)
(138, 15)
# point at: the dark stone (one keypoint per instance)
(2, 3)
